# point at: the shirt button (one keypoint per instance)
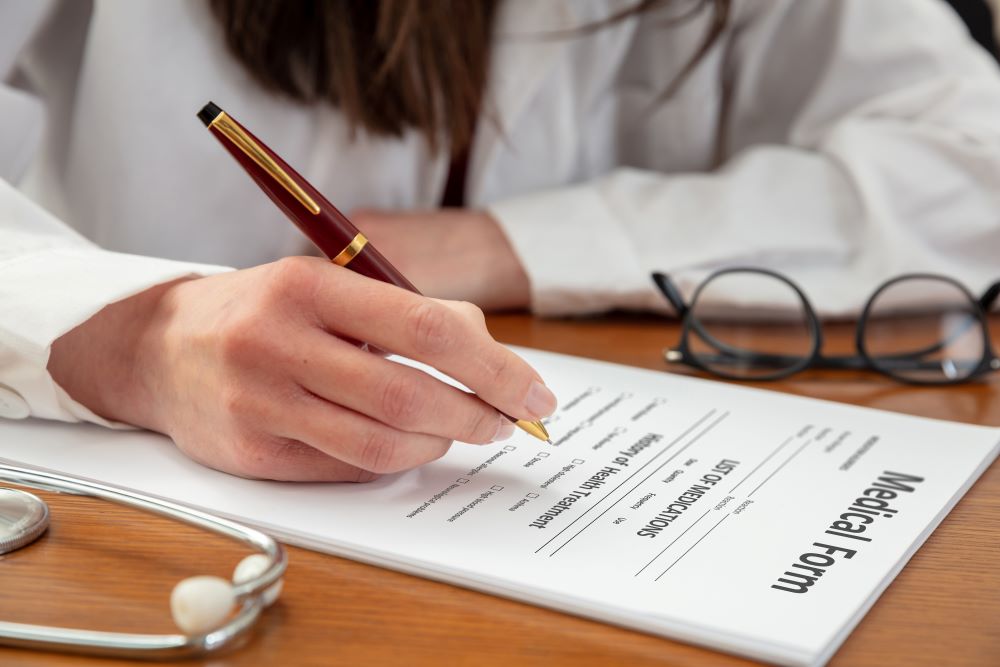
(12, 406)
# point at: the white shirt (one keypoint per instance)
(841, 142)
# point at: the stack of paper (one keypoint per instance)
(742, 520)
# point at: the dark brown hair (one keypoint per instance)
(390, 65)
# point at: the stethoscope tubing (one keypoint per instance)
(249, 595)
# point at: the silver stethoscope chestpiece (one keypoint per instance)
(23, 519)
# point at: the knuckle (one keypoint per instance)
(473, 312)
(481, 427)
(497, 367)
(432, 330)
(236, 401)
(291, 277)
(291, 270)
(238, 344)
(378, 452)
(244, 337)
(401, 400)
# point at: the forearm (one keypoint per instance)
(51, 281)
(104, 363)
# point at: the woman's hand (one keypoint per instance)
(450, 254)
(249, 372)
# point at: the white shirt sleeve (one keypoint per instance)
(862, 142)
(51, 278)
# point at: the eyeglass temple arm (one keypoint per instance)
(854, 362)
(670, 291)
(990, 297)
(898, 362)
(912, 360)
(730, 353)
(844, 361)
(839, 362)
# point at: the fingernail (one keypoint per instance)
(540, 402)
(504, 430)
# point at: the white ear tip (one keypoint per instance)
(252, 567)
(201, 604)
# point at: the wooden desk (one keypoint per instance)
(109, 568)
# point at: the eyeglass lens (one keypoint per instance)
(924, 330)
(767, 332)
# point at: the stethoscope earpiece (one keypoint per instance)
(211, 612)
(203, 603)
(252, 567)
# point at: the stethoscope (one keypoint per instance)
(211, 612)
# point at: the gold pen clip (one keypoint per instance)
(235, 133)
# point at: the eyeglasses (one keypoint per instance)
(755, 324)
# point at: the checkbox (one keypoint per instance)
(578, 461)
(497, 487)
(542, 455)
(531, 495)
(462, 480)
(509, 448)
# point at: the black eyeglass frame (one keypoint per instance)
(815, 359)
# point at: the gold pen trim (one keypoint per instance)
(234, 133)
(535, 428)
(345, 256)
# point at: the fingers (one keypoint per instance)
(357, 440)
(289, 434)
(402, 397)
(288, 460)
(444, 337)
(252, 383)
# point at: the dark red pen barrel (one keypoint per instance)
(370, 263)
(329, 229)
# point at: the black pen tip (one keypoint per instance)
(209, 112)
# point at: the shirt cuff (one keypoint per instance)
(45, 294)
(578, 257)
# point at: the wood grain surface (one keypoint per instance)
(105, 567)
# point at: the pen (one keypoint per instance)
(316, 217)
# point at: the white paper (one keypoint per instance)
(668, 504)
